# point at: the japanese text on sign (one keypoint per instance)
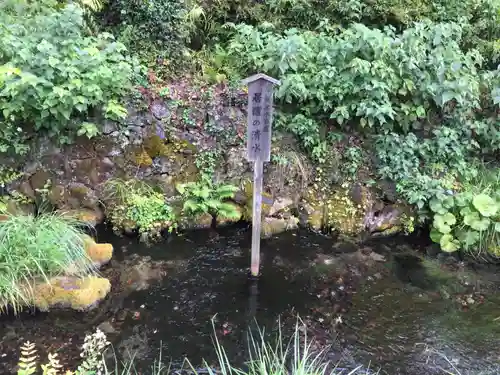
(260, 104)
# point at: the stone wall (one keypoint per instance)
(155, 145)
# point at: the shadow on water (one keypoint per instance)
(164, 296)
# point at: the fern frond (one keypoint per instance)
(225, 191)
(93, 5)
(28, 359)
(53, 366)
(228, 211)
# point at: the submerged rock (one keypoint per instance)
(138, 273)
(203, 221)
(389, 220)
(80, 294)
(272, 225)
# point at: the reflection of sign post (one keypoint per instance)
(260, 112)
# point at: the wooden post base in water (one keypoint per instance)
(256, 216)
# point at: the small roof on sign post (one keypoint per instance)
(258, 76)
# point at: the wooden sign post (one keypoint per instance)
(260, 112)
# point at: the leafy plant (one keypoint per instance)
(206, 162)
(52, 74)
(201, 198)
(353, 158)
(152, 26)
(92, 363)
(467, 220)
(359, 75)
(34, 249)
(149, 211)
(135, 203)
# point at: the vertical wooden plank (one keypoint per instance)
(260, 112)
(256, 219)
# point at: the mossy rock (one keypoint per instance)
(267, 202)
(99, 253)
(202, 221)
(56, 195)
(39, 179)
(336, 211)
(141, 158)
(156, 146)
(77, 293)
(272, 226)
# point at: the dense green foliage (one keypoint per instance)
(34, 249)
(406, 91)
(150, 28)
(52, 73)
(427, 107)
(136, 205)
(480, 19)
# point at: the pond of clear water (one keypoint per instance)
(379, 303)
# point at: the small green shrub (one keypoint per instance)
(52, 74)
(469, 219)
(359, 77)
(132, 202)
(423, 168)
(154, 28)
(34, 249)
(148, 211)
(202, 197)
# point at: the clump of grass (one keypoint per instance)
(37, 248)
(295, 357)
(116, 190)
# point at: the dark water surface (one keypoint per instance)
(397, 311)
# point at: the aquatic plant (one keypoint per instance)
(34, 249)
(298, 356)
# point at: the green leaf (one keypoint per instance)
(436, 206)
(449, 202)
(468, 237)
(212, 203)
(485, 205)
(449, 218)
(497, 227)
(435, 235)
(475, 222)
(449, 244)
(192, 206)
(466, 211)
(444, 222)
(228, 211)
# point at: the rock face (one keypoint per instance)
(170, 143)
